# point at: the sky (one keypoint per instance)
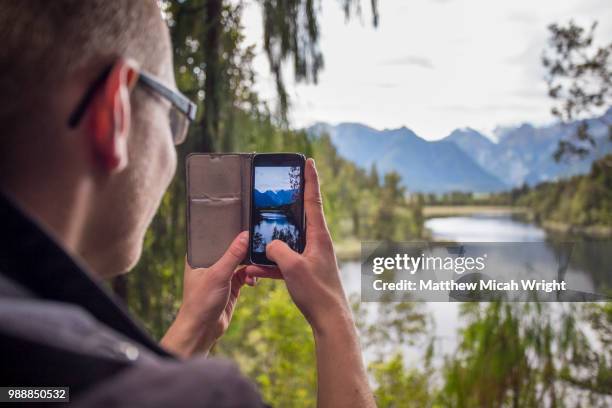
(431, 65)
(272, 178)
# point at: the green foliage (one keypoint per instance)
(291, 34)
(386, 329)
(491, 366)
(530, 354)
(469, 198)
(509, 355)
(581, 200)
(589, 368)
(579, 80)
(273, 344)
(400, 386)
(220, 70)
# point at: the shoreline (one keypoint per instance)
(436, 211)
(590, 231)
(554, 227)
(350, 249)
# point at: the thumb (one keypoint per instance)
(286, 258)
(234, 255)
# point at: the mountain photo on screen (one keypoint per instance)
(276, 210)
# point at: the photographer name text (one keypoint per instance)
(481, 285)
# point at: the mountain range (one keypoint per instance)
(271, 198)
(465, 160)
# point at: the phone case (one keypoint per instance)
(218, 204)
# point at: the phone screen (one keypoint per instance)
(277, 203)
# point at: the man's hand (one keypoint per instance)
(209, 298)
(313, 281)
(312, 278)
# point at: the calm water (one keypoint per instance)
(271, 221)
(484, 228)
(476, 228)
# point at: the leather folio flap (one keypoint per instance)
(218, 204)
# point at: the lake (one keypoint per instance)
(473, 228)
(484, 228)
(271, 222)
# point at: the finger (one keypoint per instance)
(243, 278)
(239, 275)
(262, 272)
(313, 204)
(238, 281)
(286, 258)
(234, 255)
(251, 280)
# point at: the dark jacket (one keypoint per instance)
(59, 327)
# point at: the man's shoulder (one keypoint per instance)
(61, 344)
(197, 382)
(55, 343)
(58, 325)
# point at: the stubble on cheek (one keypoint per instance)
(166, 161)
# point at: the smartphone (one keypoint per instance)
(277, 203)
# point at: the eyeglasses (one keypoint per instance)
(182, 110)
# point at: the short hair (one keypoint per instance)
(45, 42)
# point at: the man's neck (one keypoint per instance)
(62, 211)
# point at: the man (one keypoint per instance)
(88, 117)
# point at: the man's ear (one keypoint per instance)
(108, 122)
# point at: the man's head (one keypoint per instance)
(98, 184)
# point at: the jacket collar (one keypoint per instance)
(34, 260)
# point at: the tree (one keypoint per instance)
(206, 35)
(531, 354)
(374, 177)
(579, 78)
(400, 386)
(295, 181)
(212, 67)
(391, 197)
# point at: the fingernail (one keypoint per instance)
(313, 163)
(244, 237)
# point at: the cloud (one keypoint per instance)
(415, 60)
(523, 17)
(531, 55)
(537, 91)
(386, 85)
(487, 108)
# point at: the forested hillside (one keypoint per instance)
(583, 203)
